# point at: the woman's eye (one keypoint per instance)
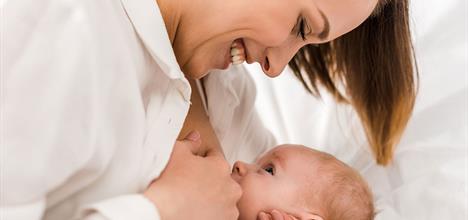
(301, 31)
(270, 169)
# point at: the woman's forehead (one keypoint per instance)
(344, 15)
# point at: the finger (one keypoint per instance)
(264, 216)
(277, 215)
(280, 215)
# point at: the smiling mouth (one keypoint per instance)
(238, 52)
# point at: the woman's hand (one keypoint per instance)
(195, 187)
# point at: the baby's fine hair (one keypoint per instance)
(346, 195)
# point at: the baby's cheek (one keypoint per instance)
(251, 202)
(248, 209)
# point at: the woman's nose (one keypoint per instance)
(271, 68)
(276, 58)
(240, 168)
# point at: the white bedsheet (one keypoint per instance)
(428, 178)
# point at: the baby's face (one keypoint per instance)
(276, 180)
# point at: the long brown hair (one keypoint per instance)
(374, 63)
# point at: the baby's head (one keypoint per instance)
(306, 183)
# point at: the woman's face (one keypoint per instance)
(268, 30)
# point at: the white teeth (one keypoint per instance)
(237, 62)
(235, 51)
(237, 56)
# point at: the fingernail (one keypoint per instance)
(193, 136)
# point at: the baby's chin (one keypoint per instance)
(246, 210)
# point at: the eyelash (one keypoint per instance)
(270, 168)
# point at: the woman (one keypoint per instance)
(95, 94)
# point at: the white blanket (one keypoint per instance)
(428, 178)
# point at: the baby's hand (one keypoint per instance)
(276, 215)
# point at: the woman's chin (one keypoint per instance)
(215, 68)
(194, 71)
(222, 64)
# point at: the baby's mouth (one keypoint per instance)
(238, 54)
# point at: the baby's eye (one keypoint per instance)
(270, 169)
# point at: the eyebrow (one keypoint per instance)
(278, 158)
(326, 27)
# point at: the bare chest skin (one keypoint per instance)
(198, 120)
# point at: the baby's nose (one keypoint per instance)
(239, 168)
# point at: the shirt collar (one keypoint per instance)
(150, 27)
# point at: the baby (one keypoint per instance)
(305, 183)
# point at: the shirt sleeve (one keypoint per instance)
(127, 207)
(49, 118)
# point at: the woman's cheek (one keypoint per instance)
(275, 38)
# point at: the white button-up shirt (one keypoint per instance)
(92, 102)
(231, 108)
